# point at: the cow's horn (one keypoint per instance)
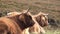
(27, 10)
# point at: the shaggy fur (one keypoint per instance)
(36, 28)
(15, 24)
(42, 21)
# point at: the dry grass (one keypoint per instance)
(48, 6)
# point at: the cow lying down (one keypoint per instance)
(36, 27)
(41, 20)
(15, 24)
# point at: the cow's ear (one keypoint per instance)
(21, 17)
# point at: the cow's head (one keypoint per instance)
(26, 19)
(42, 19)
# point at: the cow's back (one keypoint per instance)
(12, 25)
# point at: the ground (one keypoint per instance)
(52, 7)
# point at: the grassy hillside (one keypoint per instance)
(52, 7)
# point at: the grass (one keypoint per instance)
(53, 32)
(36, 7)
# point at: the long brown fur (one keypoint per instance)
(37, 26)
(14, 24)
(42, 21)
(41, 18)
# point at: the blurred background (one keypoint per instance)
(52, 7)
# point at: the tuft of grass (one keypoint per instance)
(53, 32)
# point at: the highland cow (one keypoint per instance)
(41, 20)
(15, 24)
(36, 28)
